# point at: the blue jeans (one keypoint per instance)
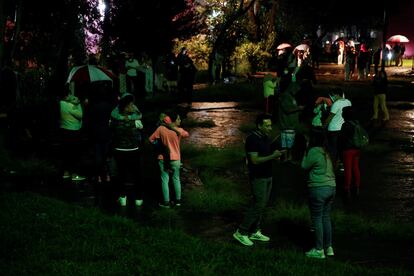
(174, 166)
(261, 188)
(320, 204)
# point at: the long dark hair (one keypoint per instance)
(124, 101)
(318, 138)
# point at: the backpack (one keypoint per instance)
(360, 137)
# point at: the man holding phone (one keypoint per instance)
(259, 161)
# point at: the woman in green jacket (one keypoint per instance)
(321, 192)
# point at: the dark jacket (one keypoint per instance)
(380, 85)
(345, 136)
(125, 135)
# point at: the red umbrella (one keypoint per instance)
(283, 46)
(398, 39)
(89, 73)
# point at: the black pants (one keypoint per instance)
(128, 171)
(71, 149)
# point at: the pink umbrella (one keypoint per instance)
(89, 73)
(283, 46)
(398, 39)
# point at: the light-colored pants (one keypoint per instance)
(380, 99)
(340, 57)
(174, 166)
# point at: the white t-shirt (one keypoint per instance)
(336, 123)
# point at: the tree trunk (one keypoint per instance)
(384, 38)
(241, 10)
(17, 28)
(2, 31)
(105, 42)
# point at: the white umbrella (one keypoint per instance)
(283, 46)
(398, 39)
(301, 47)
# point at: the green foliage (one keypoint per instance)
(198, 49)
(255, 54)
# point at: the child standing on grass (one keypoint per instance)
(321, 194)
(170, 137)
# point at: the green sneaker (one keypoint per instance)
(315, 253)
(243, 239)
(329, 251)
(258, 236)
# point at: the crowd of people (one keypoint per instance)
(115, 129)
(141, 75)
(329, 147)
(319, 132)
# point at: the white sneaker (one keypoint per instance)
(76, 177)
(139, 202)
(315, 253)
(258, 236)
(243, 239)
(329, 251)
(122, 201)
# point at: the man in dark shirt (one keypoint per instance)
(259, 160)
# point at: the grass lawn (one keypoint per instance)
(43, 236)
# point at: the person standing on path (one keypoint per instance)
(288, 112)
(270, 84)
(186, 75)
(259, 160)
(170, 138)
(350, 153)
(380, 84)
(321, 194)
